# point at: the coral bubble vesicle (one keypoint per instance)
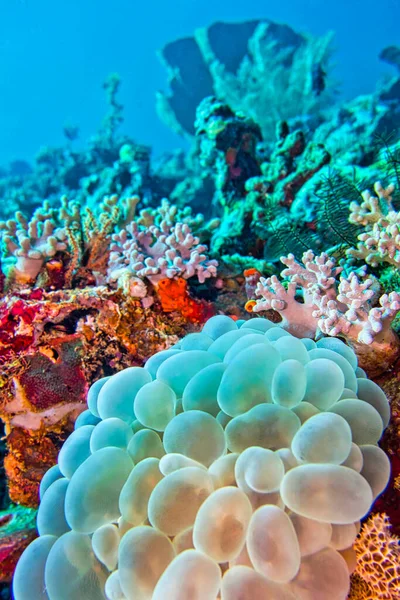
(144, 554)
(221, 524)
(235, 466)
(195, 434)
(93, 492)
(347, 495)
(272, 544)
(117, 395)
(247, 380)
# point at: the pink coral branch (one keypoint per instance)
(159, 251)
(326, 304)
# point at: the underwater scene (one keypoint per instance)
(200, 300)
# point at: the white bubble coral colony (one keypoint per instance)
(236, 465)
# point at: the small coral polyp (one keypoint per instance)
(235, 465)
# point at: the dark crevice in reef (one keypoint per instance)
(5, 592)
(4, 499)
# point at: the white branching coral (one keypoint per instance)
(359, 321)
(380, 242)
(318, 272)
(84, 235)
(312, 300)
(170, 214)
(110, 243)
(32, 243)
(294, 298)
(167, 250)
(373, 206)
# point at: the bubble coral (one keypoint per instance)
(236, 464)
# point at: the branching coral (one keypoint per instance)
(172, 214)
(373, 208)
(380, 242)
(158, 246)
(316, 276)
(167, 250)
(78, 236)
(312, 299)
(359, 320)
(378, 565)
(32, 243)
(89, 234)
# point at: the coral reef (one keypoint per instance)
(254, 81)
(155, 245)
(107, 275)
(108, 164)
(255, 183)
(60, 324)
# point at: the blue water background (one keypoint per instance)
(55, 54)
